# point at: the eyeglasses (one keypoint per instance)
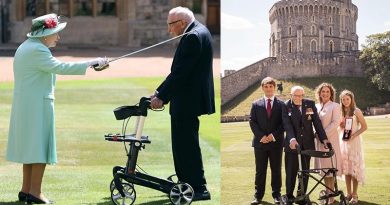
(171, 23)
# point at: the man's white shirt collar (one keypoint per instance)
(272, 98)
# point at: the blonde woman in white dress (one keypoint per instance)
(330, 116)
(351, 149)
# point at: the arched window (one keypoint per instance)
(331, 46)
(290, 47)
(313, 19)
(289, 31)
(330, 31)
(313, 30)
(313, 46)
(330, 20)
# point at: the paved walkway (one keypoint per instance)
(154, 62)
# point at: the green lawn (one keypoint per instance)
(85, 159)
(365, 94)
(238, 165)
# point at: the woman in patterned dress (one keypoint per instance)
(351, 149)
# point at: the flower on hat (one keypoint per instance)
(43, 24)
(50, 23)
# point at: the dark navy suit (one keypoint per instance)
(190, 90)
(300, 126)
(262, 125)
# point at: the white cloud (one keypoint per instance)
(231, 22)
(387, 24)
(238, 63)
(263, 24)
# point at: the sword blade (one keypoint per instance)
(149, 47)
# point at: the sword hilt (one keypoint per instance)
(96, 67)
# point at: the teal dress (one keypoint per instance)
(31, 137)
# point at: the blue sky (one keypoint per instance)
(245, 28)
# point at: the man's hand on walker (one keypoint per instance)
(293, 144)
(156, 103)
(326, 144)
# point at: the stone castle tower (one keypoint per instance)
(309, 38)
(303, 28)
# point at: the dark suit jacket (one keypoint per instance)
(261, 125)
(189, 87)
(300, 126)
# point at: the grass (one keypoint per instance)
(365, 94)
(238, 165)
(85, 159)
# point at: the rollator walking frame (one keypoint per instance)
(122, 187)
(324, 196)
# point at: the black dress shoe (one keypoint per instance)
(198, 196)
(22, 196)
(256, 201)
(34, 200)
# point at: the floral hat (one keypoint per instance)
(45, 25)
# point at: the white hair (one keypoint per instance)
(295, 88)
(184, 13)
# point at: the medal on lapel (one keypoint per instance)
(289, 112)
(309, 113)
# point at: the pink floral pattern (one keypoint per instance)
(50, 23)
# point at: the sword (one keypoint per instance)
(100, 68)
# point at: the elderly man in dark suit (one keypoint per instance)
(190, 90)
(268, 135)
(299, 117)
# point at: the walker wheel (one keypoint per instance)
(343, 200)
(323, 197)
(284, 200)
(112, 184)
(173, 178)
(181, 193)
(129, 198)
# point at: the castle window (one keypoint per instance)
(289, 47)
(331, 46)
(313, 30)
(330, 20)
(289, 31)
(313, 46)
(330, 31)
(72, 7)
(313, 18)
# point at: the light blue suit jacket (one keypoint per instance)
(31, 136)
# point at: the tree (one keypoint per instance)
(375, 58)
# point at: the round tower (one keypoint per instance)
(306, 27)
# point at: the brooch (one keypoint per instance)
(289, 112)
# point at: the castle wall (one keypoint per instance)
(333, 64)
(235, 83)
